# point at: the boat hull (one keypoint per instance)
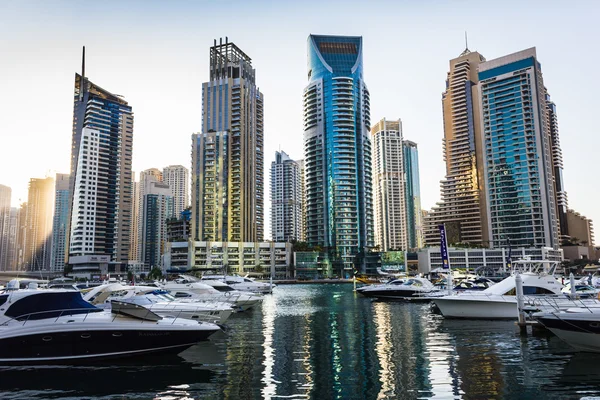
(392, 294)
(477, 309)
(583, 335)
(64, 344)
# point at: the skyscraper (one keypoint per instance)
(141, 188)
(389, 186)
(38, 220)
(462, 207)
(100, 179)
(518, 166)
(286, 199)
(5, 194)
(13, 245)
(178, 177)
(60, 222)
(414, 222)
(210, 187)
(337, 148)
(157, 207)
(135, 216)
(562, 204)
(21, 236)
(233, 107)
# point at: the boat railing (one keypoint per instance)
(62, 313)
(24, 318)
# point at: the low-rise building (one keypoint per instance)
(311, 265)
(264, 258)
(490, 259)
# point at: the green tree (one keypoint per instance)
(155, 273)
(68, 269)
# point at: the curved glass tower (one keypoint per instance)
(337, 149)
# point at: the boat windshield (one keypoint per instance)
(413, 282)
(224, 288)
(49, 305)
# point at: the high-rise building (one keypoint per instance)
(100, 180)
(581, 229)
(210, 187)
(5, 194)
(462, 207)
(13, 245)
(562, 203)
(389, 186)
(157, 207)
(517, 143)
(147, 178)
(414, 219)
(286, 199)
(337, 148)
(302, 200)
(178, 177)
(233, 109)
(21, 236)
(135, 217)
(60, 223)
(38, 220)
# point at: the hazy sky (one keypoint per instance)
(156, 54)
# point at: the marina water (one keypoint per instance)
(326, 342)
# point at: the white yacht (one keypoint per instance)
(159, 301)
(186, 289)
(399, 289)
(499, 300)
(58, 326)
(240, 283)
(579, 327)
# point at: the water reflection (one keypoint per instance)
(326, 342)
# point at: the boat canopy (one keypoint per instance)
(40, 305)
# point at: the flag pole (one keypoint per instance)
(445, 256)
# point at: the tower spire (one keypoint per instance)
(466, 50)
(83, 63)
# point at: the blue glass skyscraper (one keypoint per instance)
(412, 194)
(517, 145)
(337, 149)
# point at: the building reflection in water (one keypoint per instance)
(385, 350)
(269, 310)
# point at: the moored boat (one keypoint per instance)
(579, 327)
(499, 300)
(58, 326)
(399, 289)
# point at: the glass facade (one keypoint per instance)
(157, 208)
(518, 164)
(101, 175)
(232, 106)
(337, 148)
(60, 222)
(413, 195)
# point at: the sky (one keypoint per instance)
(156, 55)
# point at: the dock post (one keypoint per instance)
(573, 287)
(354, 281)
(520, 304)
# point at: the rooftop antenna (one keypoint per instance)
(83, 85)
